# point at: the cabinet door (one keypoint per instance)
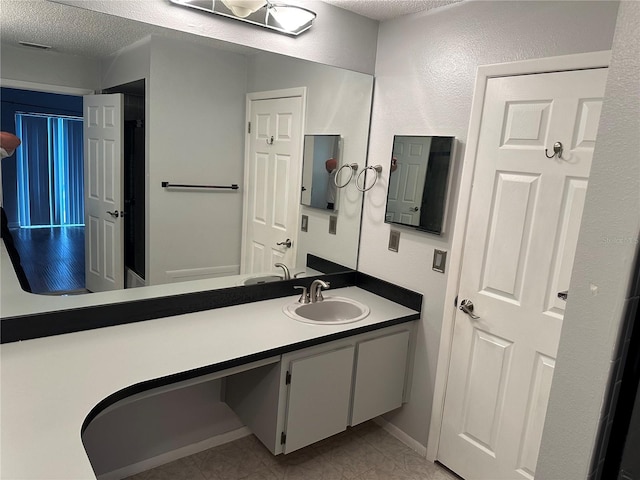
(380, 376)
(319, 397)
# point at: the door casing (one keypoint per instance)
(266, 95)
(550, 64)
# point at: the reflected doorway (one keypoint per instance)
(49, 234)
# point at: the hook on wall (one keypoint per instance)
(557, 150)
(364, 188)
(270, 140)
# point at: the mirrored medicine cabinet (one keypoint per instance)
(320, 163)
(419, 182)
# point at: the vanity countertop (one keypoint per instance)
(49, 385)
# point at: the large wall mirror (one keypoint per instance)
(185, 117)
(419, 182)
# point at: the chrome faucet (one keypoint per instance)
(287, 275)
(315, 291)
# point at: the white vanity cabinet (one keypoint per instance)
(378, 384)
(316, 392)
(318, 397)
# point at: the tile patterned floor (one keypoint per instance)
(365, 452)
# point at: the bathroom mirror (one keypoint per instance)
(321, 160)
(419, 182)
(194, 96)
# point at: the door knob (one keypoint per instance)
(287, 243)
(467, 307)
(414, 209)
(114, 214)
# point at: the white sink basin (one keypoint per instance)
(332, 310)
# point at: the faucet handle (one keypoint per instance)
(304, 297)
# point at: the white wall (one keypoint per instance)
(196, 125)
(425, 74)
(600, 282)
(338, 37)
(338, 102)
(49, 68)
(131, 64)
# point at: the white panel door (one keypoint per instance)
(319, 397)
(103, 191)
(406, 184)
(273, 184)
(522, 231)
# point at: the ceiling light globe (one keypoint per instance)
(244, 8)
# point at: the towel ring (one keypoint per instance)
(364, 188)
(354, 168)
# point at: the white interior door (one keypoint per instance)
(273, 184)
(406, 184)
(103, 192)
(524, 218)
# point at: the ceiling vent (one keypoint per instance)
(36, 45)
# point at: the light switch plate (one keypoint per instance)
(439, 260)
(304, 225)
(394, 240)
(333, 224)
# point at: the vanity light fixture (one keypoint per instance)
(283, 18)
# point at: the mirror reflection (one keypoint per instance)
(419, 182)
(321, 161)
(184, 106)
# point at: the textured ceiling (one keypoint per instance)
(388, 9)
(38, 21)
(90, 34)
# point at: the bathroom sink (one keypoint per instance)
(332, 310)
(262, 279)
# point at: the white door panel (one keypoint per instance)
(524, 218)
(274, 165)
(406, 183)
(104, 232)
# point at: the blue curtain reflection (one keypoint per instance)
(49, 170)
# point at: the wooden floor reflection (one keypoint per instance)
(52, 258)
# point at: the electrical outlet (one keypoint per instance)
(333, 224)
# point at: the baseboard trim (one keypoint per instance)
(173, 455)
(202, 273)
(395, 432)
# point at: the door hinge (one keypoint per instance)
(287, 379)
(248, 127)
(283, 438)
